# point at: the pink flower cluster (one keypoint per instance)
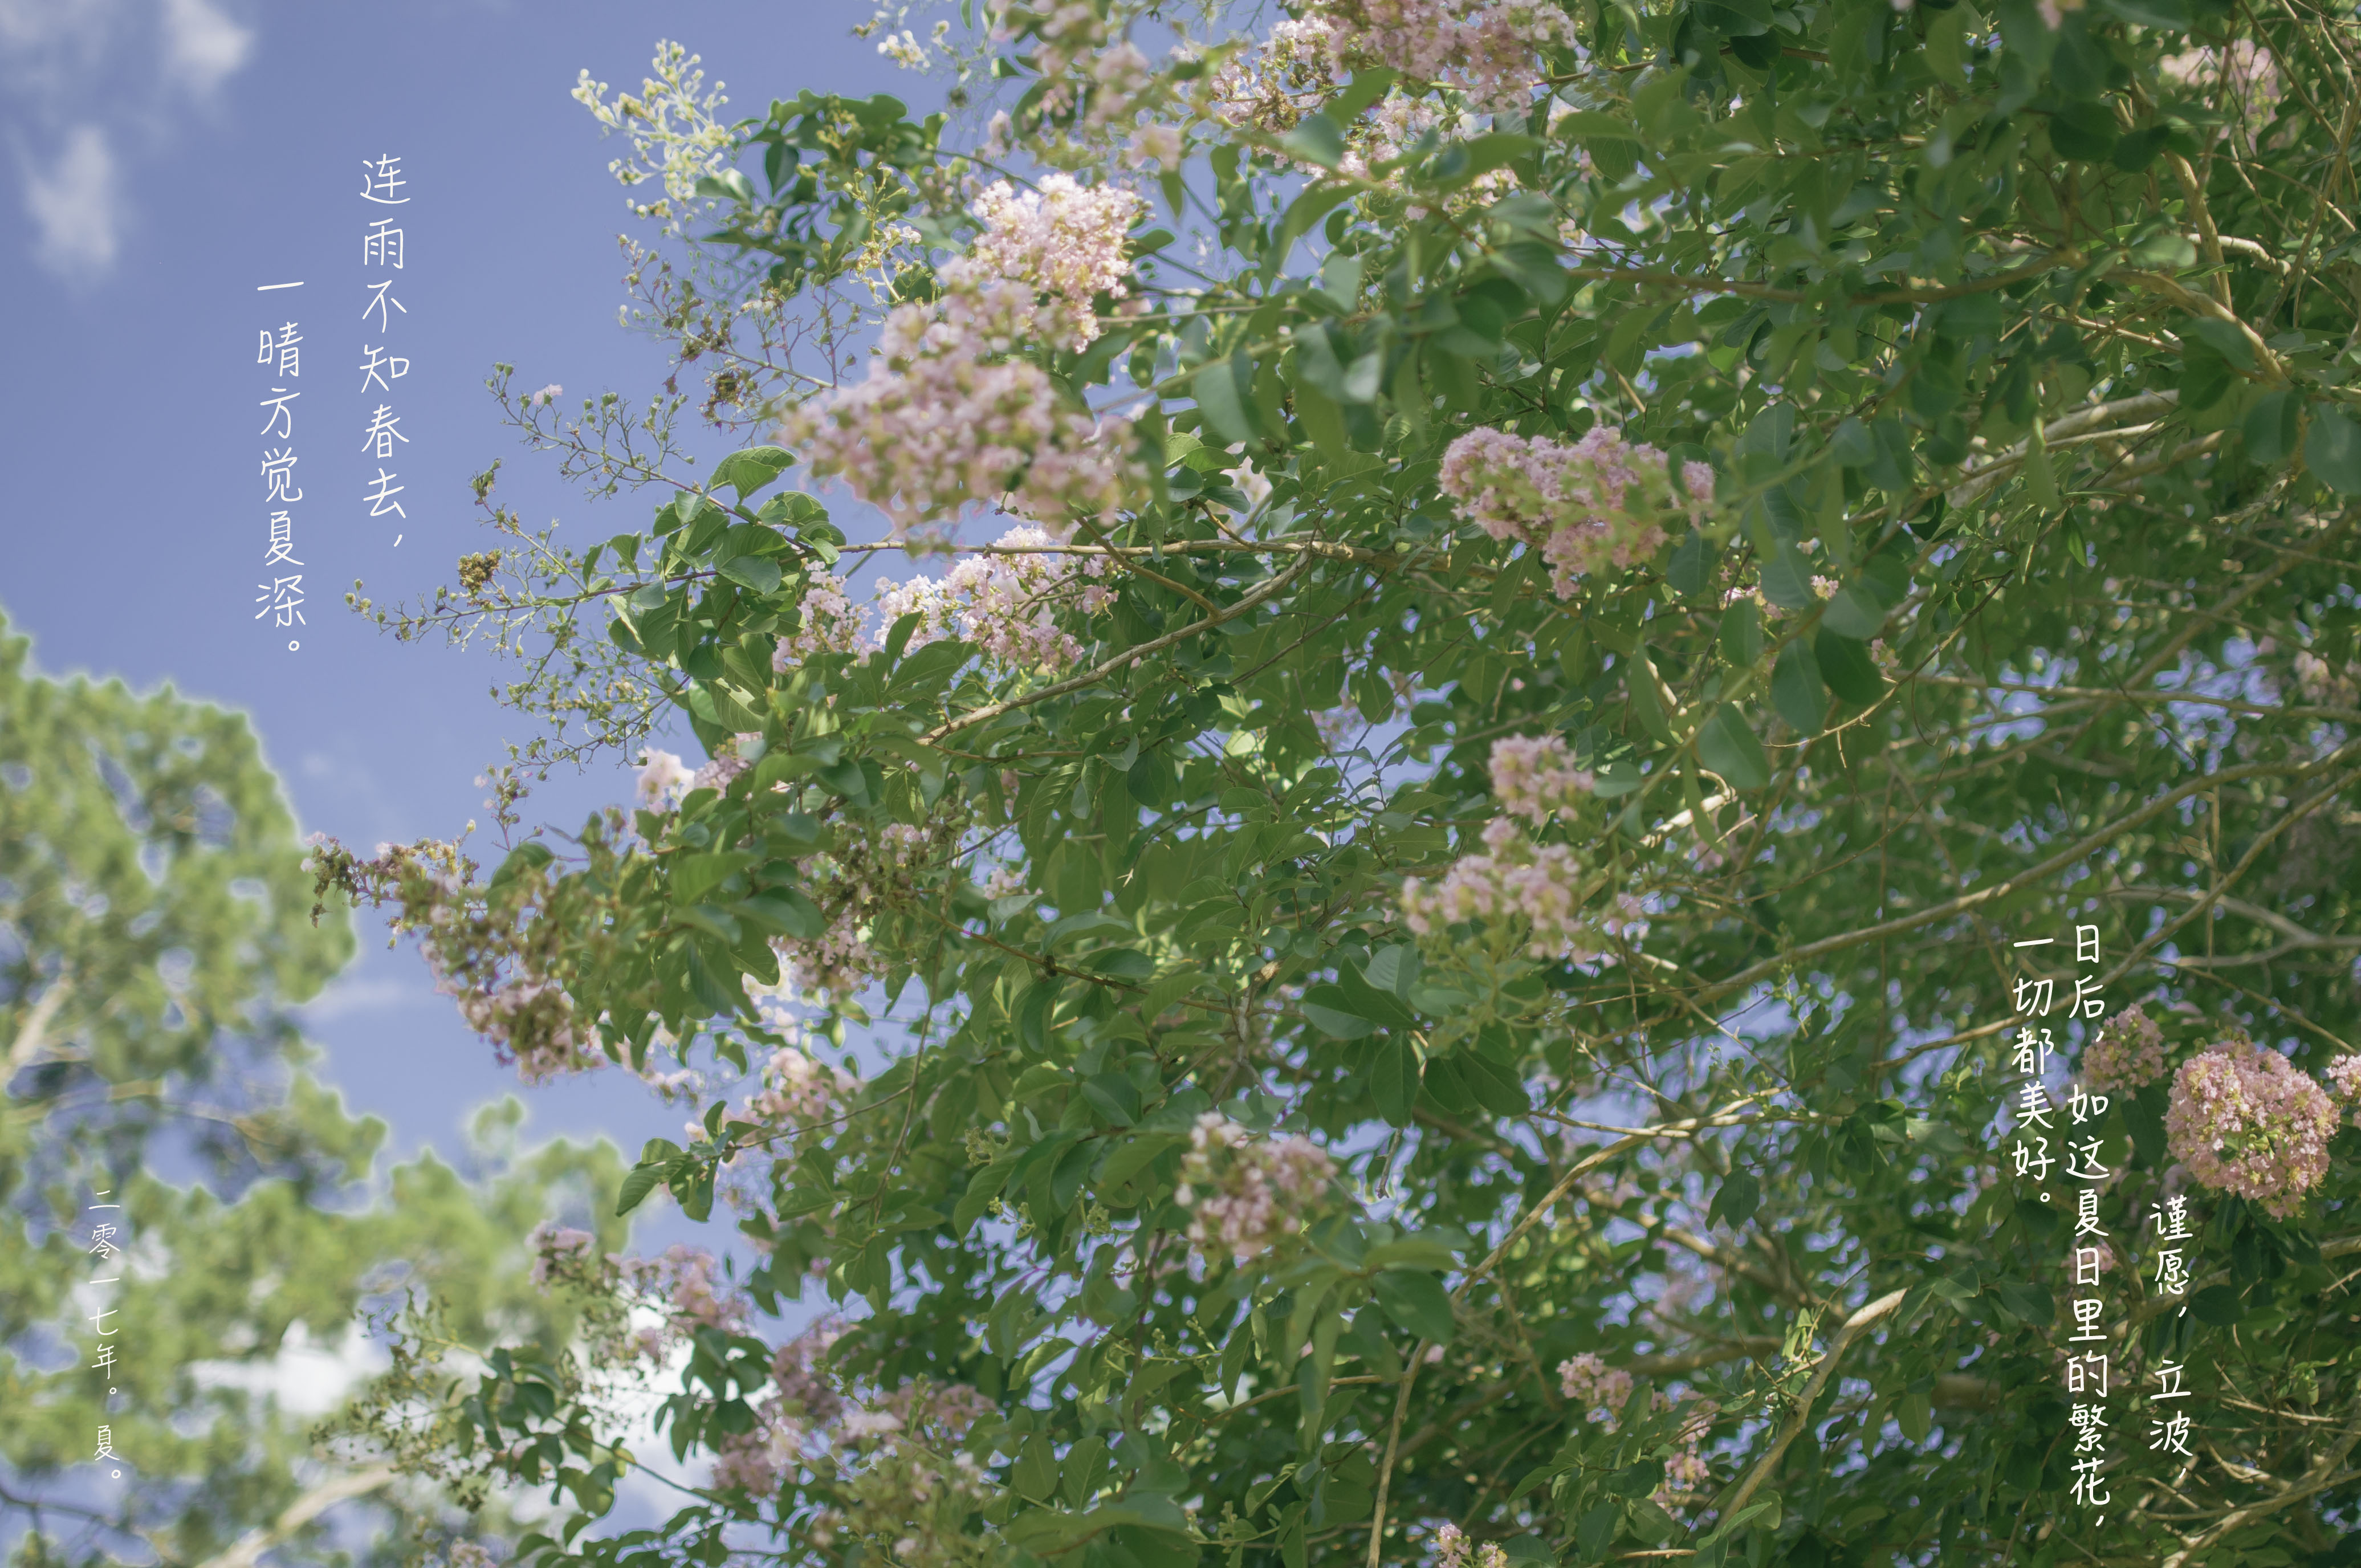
(1248, 1195)
(2127, 1051)
(1601, 1390)
(1272, 88)
(1452, 1549)
(1066, 239)
(802, 1400)
(1490, 49)
(1004, 604)
(1686, 1471)
(799, 1091)
(496, 957)
(1394, 126)
(1534, 777)
(2323, 683)
(2343, 1077)
(949, 418)
(850, 884)
(830, 623)
(727, 763)
(2245, 1122)
(1600, 502)
(1071, 52)
(1542, 887)
(662, 779)
(689, 1286)
(529, 1019)
(1589, 1381)
(837, 961)
(559, 1251)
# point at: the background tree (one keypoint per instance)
(1448, 904)
(155, 928)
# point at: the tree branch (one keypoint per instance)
(1732, 1501)
(249, 1549)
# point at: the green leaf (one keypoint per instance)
(1367, 1001)
(1315, 140)
(1418, 1301)
(1036, 1470)
(2222, 337)
(1741, 634)
(1393, 1079)
(1127, 1161)
(637, 1182)
(1855, 613)
(750, 468)
(694, 876)
(1787, 578)
(1302, 213)
(1365, 88)
(2144, 1118)
(1480, 155)
(2024, 1301)
(1727, 745)
(1221, 389)
(1647, 699)
(2332, 449)
(1535, 267)
(1852, 444)
(784, 912)
(1065, 1177)
(1120, 963)
(1734, 18)
(1433, 1250)
(1583, 127)
(1114, 1096)
(982, 1188)
(1330, 1011)
(1340, 278)
(2271, 427)
(2084, 131)
(1845, 664)
(756, 571)
(1690, 570)
(1735, 1201)
(1495, 1086)
(1597, 1528)
(2218, 1305)
(1796, 690)
(529, 856)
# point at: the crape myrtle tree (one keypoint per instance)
(155, 930)
(1544, 594)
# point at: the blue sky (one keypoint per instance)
(162, 158)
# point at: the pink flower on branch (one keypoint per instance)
(2245, 1120)
(2127, 1051)
(1589, 506)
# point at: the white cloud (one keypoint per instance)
(106, 83)
(352, 994)
(76, 206)
(305, 1378)
(202, 45)
(39, 38)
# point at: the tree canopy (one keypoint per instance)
(179, 1190)
(1553, 596)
